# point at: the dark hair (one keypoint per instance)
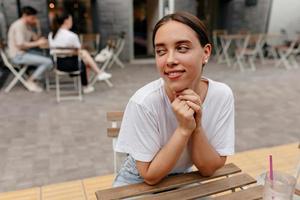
(58, 21)
(188, 19)
(28, 10)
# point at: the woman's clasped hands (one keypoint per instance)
(187, 107)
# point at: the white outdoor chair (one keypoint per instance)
(240, 54)
(285, 53)
(217, 44)
(253, 50)
(120, 43)
(76, 94)
(115, 119)
(17, 70)
(293, 57)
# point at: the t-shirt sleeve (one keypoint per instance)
(223, 141)
(76, 41)
(139, 133)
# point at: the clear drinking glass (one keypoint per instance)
(282, 186)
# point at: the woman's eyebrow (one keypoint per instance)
(159, 45)
(184, 41)
(177, 42)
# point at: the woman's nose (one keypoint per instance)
(171, 59)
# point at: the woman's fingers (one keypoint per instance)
(190, 95)
(182, 107)
(196, 107)
(192, 98)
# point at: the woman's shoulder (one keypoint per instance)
(220, 89)
(148, 92)
(67, 33)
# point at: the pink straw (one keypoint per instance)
(271, 167)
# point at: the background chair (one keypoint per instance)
(240, 53)
(60, 57)
(252, 50)
(285, 52)
(294, 54)
(115, 119)
(217, 44)
(90, 42)
(17, 70)
(120, 43)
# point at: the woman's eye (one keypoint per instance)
(160, 52)
(182, 49)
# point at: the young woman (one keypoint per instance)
(62, 37)
(182, 119)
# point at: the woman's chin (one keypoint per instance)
(178, 88)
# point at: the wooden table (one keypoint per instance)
(191, 186)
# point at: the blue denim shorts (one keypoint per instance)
(128, 173)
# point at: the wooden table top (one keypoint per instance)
(192, 185)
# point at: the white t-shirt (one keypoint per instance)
(149, 122)
(64, 39)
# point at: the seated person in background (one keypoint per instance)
(183, 118)
(62, 37)
(21, 39)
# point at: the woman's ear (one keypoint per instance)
(207, 51)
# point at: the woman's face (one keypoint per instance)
(179, 56)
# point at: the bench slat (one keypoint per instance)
(169, 183)
(113, 132)
(114, 116)
(205, 189)
(247, 194)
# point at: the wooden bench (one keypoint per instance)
(191, 185)
(115, 119)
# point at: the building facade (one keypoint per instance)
(137, 17)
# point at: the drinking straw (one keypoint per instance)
(271, 167)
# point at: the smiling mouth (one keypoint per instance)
(174, 74)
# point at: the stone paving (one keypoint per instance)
(43, 142)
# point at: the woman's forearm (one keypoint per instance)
(165, 159)
(204, 156)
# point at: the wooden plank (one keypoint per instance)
(205, 189)
(113, 132)
(26, 194)
(68, 190)
(167, 184)
(251, 193)
(114, 116)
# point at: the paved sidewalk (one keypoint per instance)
(42, 142)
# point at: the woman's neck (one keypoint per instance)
(64, 27)
(199, 86)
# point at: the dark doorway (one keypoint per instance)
(140, 28)
(212, 13)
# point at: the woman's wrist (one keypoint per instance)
(184, 131)
(198, 130)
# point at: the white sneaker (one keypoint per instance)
(88, 89)
(33, 87)
(103, 76)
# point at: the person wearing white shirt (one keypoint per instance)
(62, 37)
(183, 118)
